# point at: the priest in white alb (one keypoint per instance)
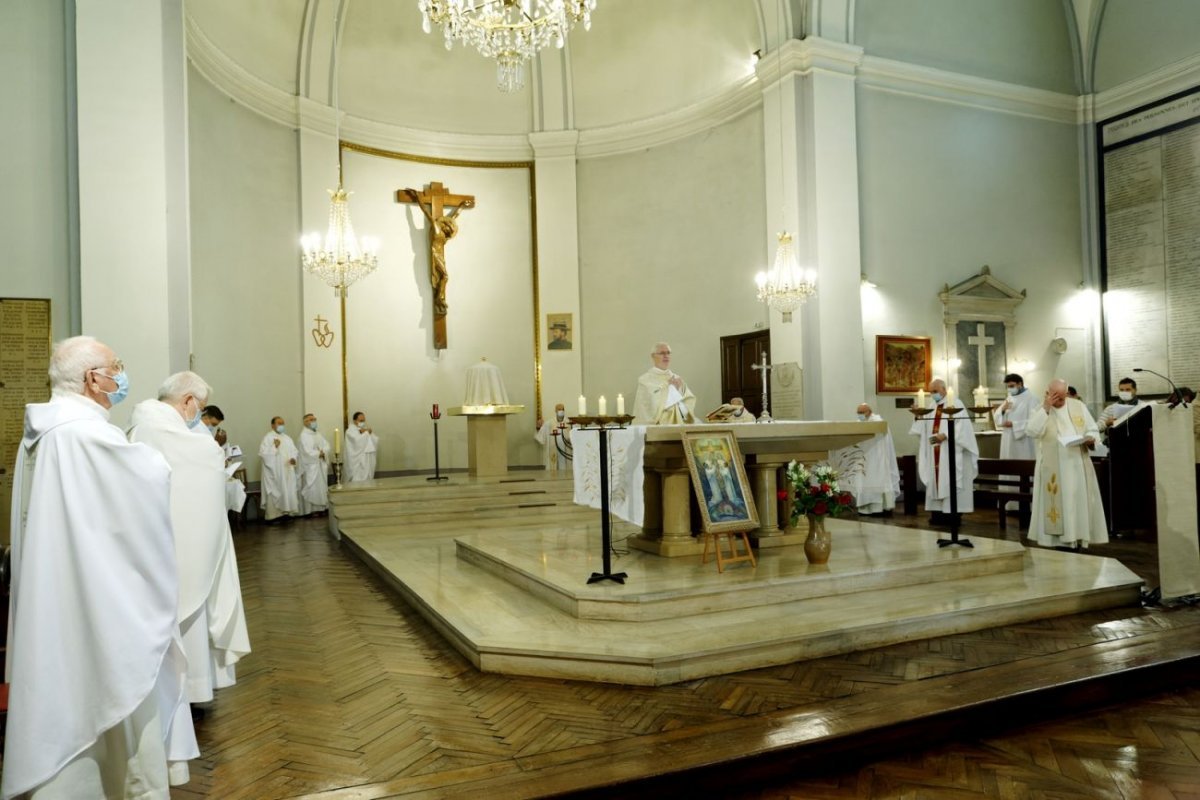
(361, 450)
(1067, 508)
(212, 621)
(933, 457)
(280, 484)
(97, 704)
(314, 469)
(554, 437)
(1011, 417)
(880, 482)
(663, 398)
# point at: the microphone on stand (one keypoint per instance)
(1174, 389)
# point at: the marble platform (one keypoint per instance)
(510, 593)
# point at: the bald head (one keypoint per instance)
(938, 385)
(863, 410)
(1056, 393)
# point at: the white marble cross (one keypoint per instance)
(981, 341)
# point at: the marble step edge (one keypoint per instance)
(443, 491)
(607, 666)
(532, 519)
(714, 598)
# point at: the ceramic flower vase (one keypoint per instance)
(818, 544)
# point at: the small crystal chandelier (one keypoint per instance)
(510, 31)
(339, 261)
(786, 285)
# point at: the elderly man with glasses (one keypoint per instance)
(663, 398)
(95, 662)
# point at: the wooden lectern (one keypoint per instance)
(487, 437)
(1131, 473)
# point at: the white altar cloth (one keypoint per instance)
(625, 473)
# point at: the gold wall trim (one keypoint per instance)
(533, 229)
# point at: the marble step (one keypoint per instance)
(410, 488)
(449, 506)
(503, 628)
(867, 557)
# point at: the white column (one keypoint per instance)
(135, 291)
(558, 267)
(811, 156)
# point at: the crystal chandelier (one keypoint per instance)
(786, 285)
(510, 31)
(339, 261)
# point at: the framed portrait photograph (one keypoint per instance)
(559, 332)
(903, 364)
(719, 476)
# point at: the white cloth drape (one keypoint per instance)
(626, 476)
(485, 386)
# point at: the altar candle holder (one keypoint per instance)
(604, 424)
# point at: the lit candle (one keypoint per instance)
(337, 442)
(920, 398)
(981, 396)
(603, 406)
(582, 406)
(949, 398)
(620, 405)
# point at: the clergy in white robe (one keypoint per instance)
(212, 621)
(880, 483)
(314, 469)
(933, 457)
(362, 446)
(1067, 508)
(663, 398)
(280, 484)
(211, 418)
(554, 437)
(1011, 417)
(97, 706)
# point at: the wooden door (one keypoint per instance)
(738, 354)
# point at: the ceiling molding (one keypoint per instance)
(899, 77)
(629, 137)
(1160, 83)
(235, 81)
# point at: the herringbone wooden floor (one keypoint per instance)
(350, 694)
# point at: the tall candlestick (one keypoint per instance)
(920, 398)
(620, 405)
(582, 406)
(603, 404)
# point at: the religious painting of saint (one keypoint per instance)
(558, 332)
(719, 478)
(903, 364)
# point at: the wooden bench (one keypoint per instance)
(908, 483)
(1003, 481)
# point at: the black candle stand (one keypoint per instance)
(949, 413)
(437, 475)
(604, 424)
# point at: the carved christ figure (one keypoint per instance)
(443, 226)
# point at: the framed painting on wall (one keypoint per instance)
(903, 364)
(719, 477)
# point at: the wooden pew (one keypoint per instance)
(1005, 480)
(908, 482)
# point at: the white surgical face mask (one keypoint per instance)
(280, 429)
(1013, 391)
(560, 415)
(737, 412)
(1125, 396)
(362, 423)
(862, 417)
(312, 426)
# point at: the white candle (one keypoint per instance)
(981, 397)
(920, 398)
(949, 397)
(582, 406)
(337, 442)
(620, 405)
(603, 406)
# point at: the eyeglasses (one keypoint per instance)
(662, 352)
(117, 366)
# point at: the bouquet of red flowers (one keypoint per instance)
(817, 492)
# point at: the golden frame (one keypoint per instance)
(733, 510)
(903, 364)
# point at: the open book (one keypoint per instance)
(721, 413)
(1071, 439)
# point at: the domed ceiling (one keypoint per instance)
(640, 59)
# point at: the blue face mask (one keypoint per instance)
(862, 417)
(280, 429)
(194, 421)
(212, 429)
(938, 397)
(122, 381)
(312, 426)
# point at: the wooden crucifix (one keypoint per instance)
(434, 202)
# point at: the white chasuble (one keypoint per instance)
(659, 403)
(1067, 508)
(208, 579)
(869, 471)
(280, 485)
(93, 637)
(314, 471)
(933, 461)
(361, 451)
